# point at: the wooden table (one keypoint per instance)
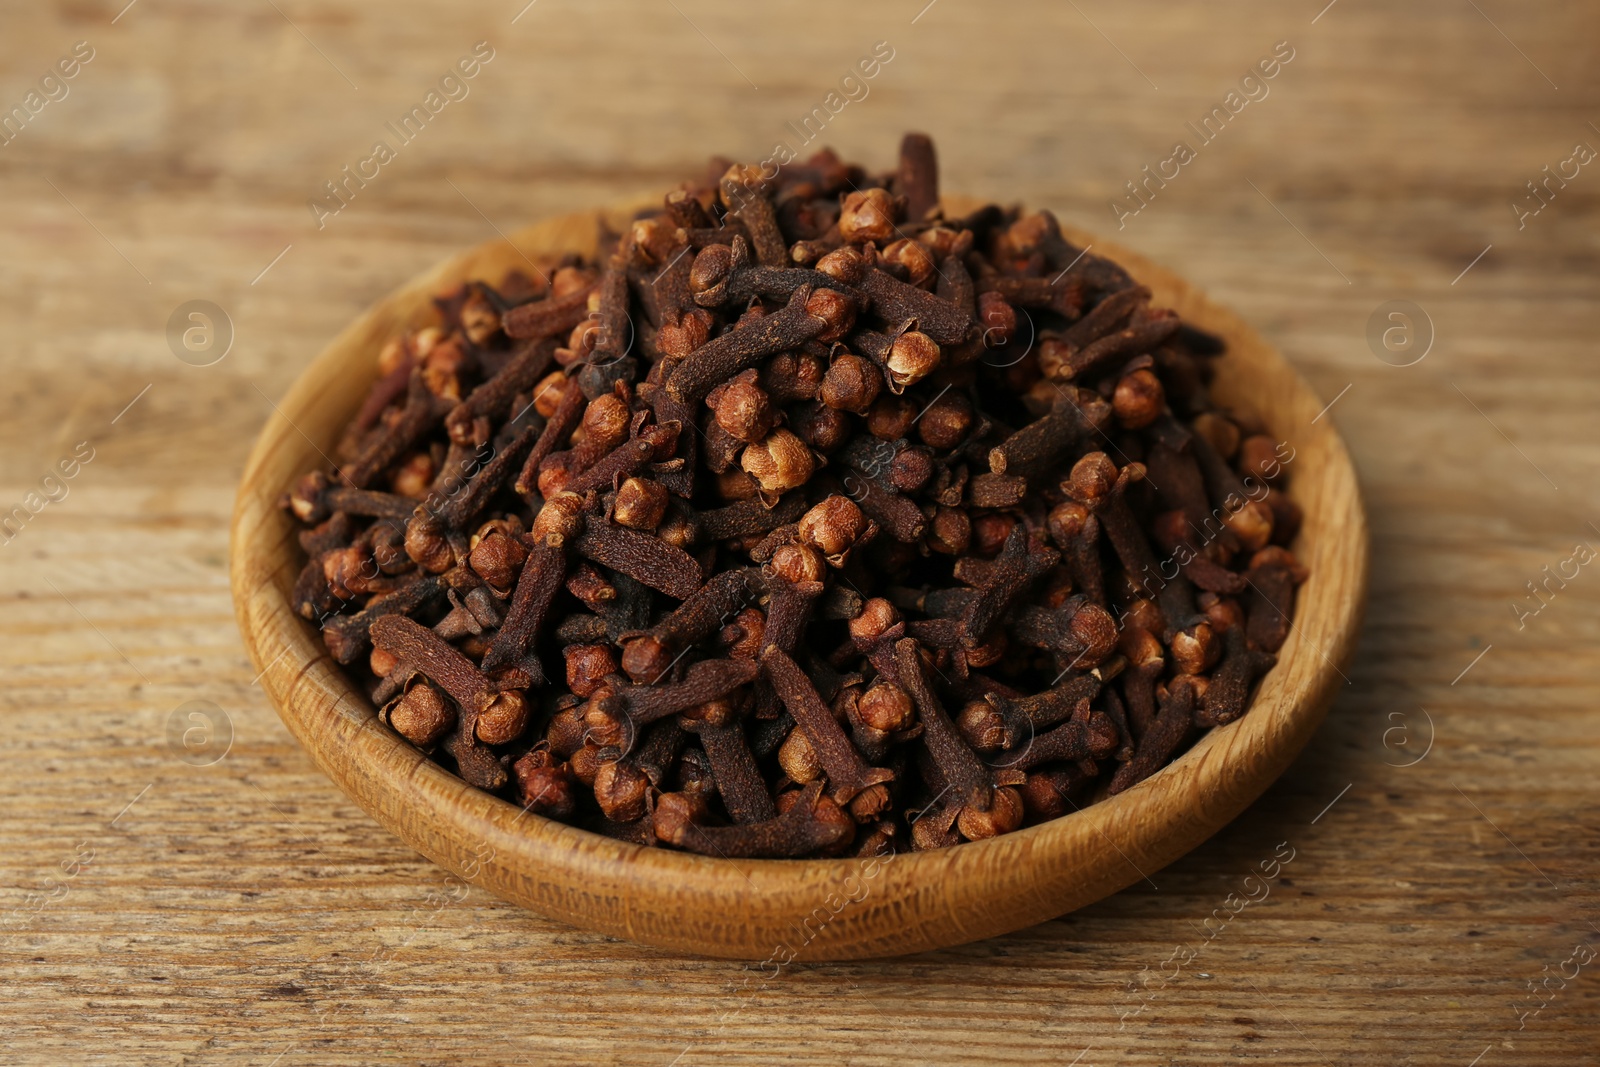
(170, 904)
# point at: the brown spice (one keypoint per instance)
(746, 480)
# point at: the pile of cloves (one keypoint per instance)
(805, 520)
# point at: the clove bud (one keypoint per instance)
(770, 530)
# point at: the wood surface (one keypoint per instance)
(822, 910)
(246, 911)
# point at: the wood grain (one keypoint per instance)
(246, 910)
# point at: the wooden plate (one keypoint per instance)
(776, 911)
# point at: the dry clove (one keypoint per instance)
(812, 823)
(695, 545)
(848, 773)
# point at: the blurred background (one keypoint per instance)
(1433, 160)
